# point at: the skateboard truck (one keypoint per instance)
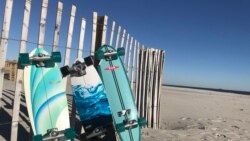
(130, 123)
(97, 132)
(53, 134)
(109, 55)
(77, 69)
(40, 60)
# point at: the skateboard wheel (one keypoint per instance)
(23, 60)
(49, 63)
(89, 60)
(37, 138)
(99, 55)
(69, 133)
(65, 71)
(56, 57)
(121, 51)
(142, 122)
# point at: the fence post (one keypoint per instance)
(133, 66)
(112, 33)
(104, 31)
(93, 40)
(129, 53)
(4, 42)
(81, 38)
(126, 51)
(140, 81)
(155, 91)
(79, 55)
(101, 32)
(160, 85)
(137, 74)
(68, 47)
(42, 24)
(19, 79)
(117, 37)
(57, 26)
(144, 72)
(123, 36)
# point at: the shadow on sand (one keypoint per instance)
(24, 130)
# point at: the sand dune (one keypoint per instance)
(187, 115)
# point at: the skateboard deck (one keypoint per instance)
(119, 93)
(90, 99)
(45, 95)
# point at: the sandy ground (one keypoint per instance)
(186, 115)
(201, 115)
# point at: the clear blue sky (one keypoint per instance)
(207, 42)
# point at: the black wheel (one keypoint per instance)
(121, 51)
(65, 71)
(56, 57)
(89, 60)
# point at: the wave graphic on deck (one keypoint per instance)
(91, 101)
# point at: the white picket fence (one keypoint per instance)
(144, 65)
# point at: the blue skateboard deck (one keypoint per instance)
(91, 101)
(45, 94)
(119, 93)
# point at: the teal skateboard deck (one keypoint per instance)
(122, 104)
(91, 100)
(45, 95)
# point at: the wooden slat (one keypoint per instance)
(19, 79)
(133, 65)
(149, 85)
(112, 33)
(104, 30)
(70, 34)
(93, 40)
(155, 91)
(57, 26)
(81, 38)
(147, 90)
(42, 24)
(160, 85)
(137, 74)
(117, 37)
(140, 81)
(152, 87)
(123, 37)
(67, 52)
(129, 54)
(144, 92)
(4, 42)
(126, 52)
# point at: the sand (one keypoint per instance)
(186, 115)
(201, 115)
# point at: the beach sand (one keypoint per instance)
(186, 115)
(201, 115)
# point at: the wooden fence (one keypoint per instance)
(144, 65)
